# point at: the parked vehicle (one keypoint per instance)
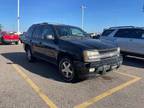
(9, 38)
(0, 38)
(75, 53)
(94, 35)
(130, 39)
(22, 37)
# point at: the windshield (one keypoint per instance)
(68, 31)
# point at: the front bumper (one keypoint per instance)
(10, 41)
(100, 67)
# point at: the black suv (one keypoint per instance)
(75, 53)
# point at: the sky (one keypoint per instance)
(99, 14)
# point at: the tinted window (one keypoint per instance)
(107, 32)
(37, 32)
(47, 30)
(30, 31)
(130, 33)
(63, 31)
(76, 32)
(70, 31)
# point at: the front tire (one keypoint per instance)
(66, 69)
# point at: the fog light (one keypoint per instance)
(91, 69)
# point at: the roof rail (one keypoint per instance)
(44, 23)
(54, 23)
(121, 27)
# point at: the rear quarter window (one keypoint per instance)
(37, 32)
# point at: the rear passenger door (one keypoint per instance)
(131, 40)
(37, 41)
(136, 41)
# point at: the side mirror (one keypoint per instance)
(50, 37)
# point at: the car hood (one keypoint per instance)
(90, 44)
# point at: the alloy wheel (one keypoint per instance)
(66, 69)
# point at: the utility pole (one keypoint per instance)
(18, 16)
(82, 17)
(143, 7)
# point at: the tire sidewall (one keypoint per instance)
(17, 43)
(60, 64)
(29, 51)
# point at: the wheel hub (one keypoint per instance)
(67, 69)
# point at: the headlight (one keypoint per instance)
(118, 50)
(91, 56)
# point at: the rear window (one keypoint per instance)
(107, 32)
(130, 33)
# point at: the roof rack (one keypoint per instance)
(121, 27)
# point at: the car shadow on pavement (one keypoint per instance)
(50, 71)
(39, 67)
(134, 62)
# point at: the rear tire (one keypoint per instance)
(67, 70)
(124, 56)
(29, 55)
(16, 43)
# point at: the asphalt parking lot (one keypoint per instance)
(38, 85)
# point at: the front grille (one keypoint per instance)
(107, 61)
(107, 51)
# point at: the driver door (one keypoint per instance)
(49, 44)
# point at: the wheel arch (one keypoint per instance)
(63, 54)
(26, 46)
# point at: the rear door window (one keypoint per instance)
(139, 34)
(130, 33)
(107, 32)
(37, 32)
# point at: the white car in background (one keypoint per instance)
(129, 38)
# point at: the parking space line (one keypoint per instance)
(37, 89)
(109, 92)
(128, 75)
